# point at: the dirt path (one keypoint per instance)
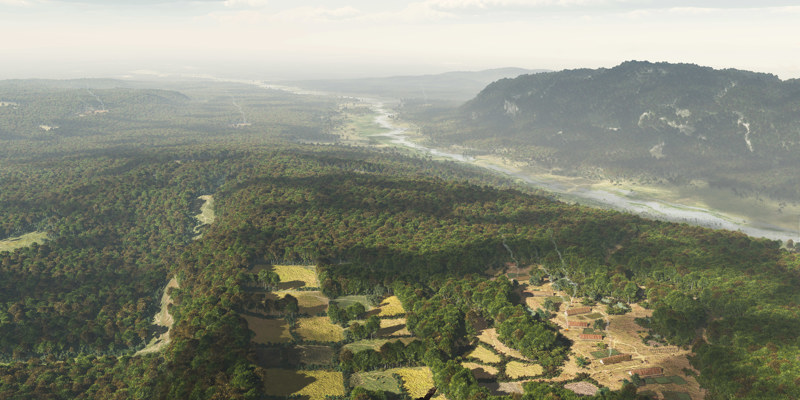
(163, 318)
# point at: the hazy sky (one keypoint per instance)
(278, 39)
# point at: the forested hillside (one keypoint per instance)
(641, 121)
(118, 218)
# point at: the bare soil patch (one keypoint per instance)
(206, 216)
(163, 319)
(268, 330)
(503, 388)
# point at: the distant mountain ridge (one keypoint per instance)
(454, 86)
(669, 121)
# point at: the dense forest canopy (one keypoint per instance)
(116, 193)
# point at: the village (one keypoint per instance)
(610, 348)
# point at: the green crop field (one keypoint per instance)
(346, 301)
(319, 329)
(376, 381)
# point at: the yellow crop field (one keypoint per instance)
(297, 275)
(393, 327)
(310, 302)
(481, 371)
(320, 329)
(485, 355)
(268, 330)
(314, 384)
(417, 381)
(516, 369)
(390, 307)
(25, 240)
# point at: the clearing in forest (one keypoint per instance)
(516, 370)
(310, 302)
(484, 355)
(376, 381)
(268, 330)
(25, 240)
(296, 276)
(391, 327)
(347, 301)
(489, 336)
(313, 355)
(315, 384)
(417, 381)
(374, 344)
(206, 216)
(163, 319)
(319, 329)
(480, 371)
(391, 307)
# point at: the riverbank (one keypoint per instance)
(701, 206)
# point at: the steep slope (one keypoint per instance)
(673, 122)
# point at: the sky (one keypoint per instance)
(284, 39)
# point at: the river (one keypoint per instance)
(622, 200)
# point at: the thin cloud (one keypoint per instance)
(490, 4)
(15, 3)
(318, 13)
(245, 3)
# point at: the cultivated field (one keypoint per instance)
(417, 381)
(296, 276)
(314, 384)
(310, 302)
(319, 329)
(393, 327)
(489, 336)
(516, 370)
(346, 301)
(25, 240)
(391, 307)
(623, 336)
(268, 330)
(481, 371)
(313, 355)
(374, 344)
(375, 381)
(485, 355)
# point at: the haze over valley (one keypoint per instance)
(433, 199)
